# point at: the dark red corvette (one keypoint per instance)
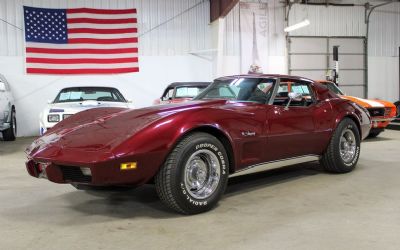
(238, 124)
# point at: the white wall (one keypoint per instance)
(32, 92)
(383, 50)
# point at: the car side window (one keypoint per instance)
(300, 87)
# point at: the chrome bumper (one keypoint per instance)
(382, 119)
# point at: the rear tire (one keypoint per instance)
(195, 174)
(10, 133)
(343, 151)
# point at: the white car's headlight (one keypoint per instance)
(53, 118)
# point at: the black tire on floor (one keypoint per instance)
(10, 133)
(397, 104)
(332, 160)
(196, 157)
(373, 134)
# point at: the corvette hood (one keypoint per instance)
(92, 131)
(369, 103)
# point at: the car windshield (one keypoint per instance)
(332, 86)
(240, 89)
(188, 92)
(80, 94)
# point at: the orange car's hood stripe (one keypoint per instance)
(365, 103)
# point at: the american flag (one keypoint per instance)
(81, 41)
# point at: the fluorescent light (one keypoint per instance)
(297, 25)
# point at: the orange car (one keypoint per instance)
(382, 112)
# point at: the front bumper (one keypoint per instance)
(381, 122)
(98, 174)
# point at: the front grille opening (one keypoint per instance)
(376, 111)
(74, 174)
(388, 111)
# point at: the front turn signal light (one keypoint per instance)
(128, 166)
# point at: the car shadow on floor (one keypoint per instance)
(144, 202)
(377, 139)
(248, 183)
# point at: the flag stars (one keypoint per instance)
(46, 26)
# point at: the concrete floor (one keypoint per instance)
(298, 207)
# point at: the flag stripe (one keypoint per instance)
(103, 41)
(101, 11)
(102, 26)
(83, 65)
(104, 16)
(101, 21)
(102, 31)
(81, 56)
(81, 60)
(81, 71)
(79, 45)
(81, 51)
(101, 36)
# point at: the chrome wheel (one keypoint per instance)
(202, 174)
(347, 146)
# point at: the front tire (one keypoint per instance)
(195, 174)
(343, 150)
(10, 133)
(397, 104)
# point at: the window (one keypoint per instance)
(240, 89)
(79, 94)
(332, 86)
(188, 92)
(286, 87)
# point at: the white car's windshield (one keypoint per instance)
(240, 89)
(78, 94)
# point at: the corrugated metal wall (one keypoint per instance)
(172, 27)
(328, 21)
(384, 31)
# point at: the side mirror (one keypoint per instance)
(49, 101)
(2, 87)
(129, 101)
(293, 97)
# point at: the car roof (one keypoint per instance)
(87, 87)
(181, 84)
(264, 76)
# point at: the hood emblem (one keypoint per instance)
(248, 133)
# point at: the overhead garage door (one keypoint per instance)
(312, 57)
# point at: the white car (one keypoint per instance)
(76, 99)
(8, 121)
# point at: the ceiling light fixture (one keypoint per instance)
(296, 26)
